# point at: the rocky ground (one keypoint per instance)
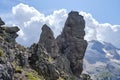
(51, 58)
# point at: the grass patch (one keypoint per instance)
(1, 38)
(50, 59)
(60, 78)
(1, 53)
(18, 69)
(33, 75)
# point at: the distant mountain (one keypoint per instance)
(102, 61)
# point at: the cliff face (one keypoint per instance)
(50, 58)
(71, 42)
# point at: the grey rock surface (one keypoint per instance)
(42, 62)
(11, 29)
(48, 41)
(62, 56)
(9, 34)
(1, 22)
(71, 42)
(53, 59)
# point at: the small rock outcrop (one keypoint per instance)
(51, 58)
(1, 22)
(9, 34)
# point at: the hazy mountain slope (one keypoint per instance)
(102, 61)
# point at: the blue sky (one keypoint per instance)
(101, 16)
(102, 10)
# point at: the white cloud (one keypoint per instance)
(91, 24)
(31, 20)
(101, 32)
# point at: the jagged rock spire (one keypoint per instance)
(74, 25)
(48, 41)
(71, 42)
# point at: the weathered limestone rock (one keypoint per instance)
(71, 42)
(74, 26)
(53, 59)
(8, 51)
(46, 59)
(48, 41)
(11, 30)
(42, 62)
(61, 57)
(6, 68)
(9, 34)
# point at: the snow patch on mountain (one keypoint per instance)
(102, 61)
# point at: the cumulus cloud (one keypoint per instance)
(101, 32)
(31, 20)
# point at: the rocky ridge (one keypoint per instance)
(50, 58)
